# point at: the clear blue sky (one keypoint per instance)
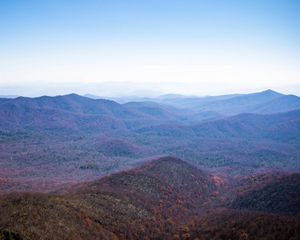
(188, 46)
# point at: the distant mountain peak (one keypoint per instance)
(72, 95)
(271, 92)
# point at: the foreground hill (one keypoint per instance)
(147, 201)
(281, 196)
(237, 225)
(164, 199)
(175, 187)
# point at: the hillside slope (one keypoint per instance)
(130, 205)
(281, 196)
(163, 199)
(264, 102)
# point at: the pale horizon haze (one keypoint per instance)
(123, 48)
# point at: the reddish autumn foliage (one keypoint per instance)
(164, 199)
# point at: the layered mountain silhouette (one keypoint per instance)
(75, 138)
(171, 167)
(24, 112)
(77, 112)
(267, 101)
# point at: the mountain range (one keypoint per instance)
(171, 167)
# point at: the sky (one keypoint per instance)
(149, 47)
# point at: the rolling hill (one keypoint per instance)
(69, 112)
(280, 196)
(253, 126)
(74, 112)
(166, 198)
(69, 139)
(125, 205)
(265, 102)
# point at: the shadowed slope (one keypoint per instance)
(281, 196)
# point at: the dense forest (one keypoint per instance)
(224, 167)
